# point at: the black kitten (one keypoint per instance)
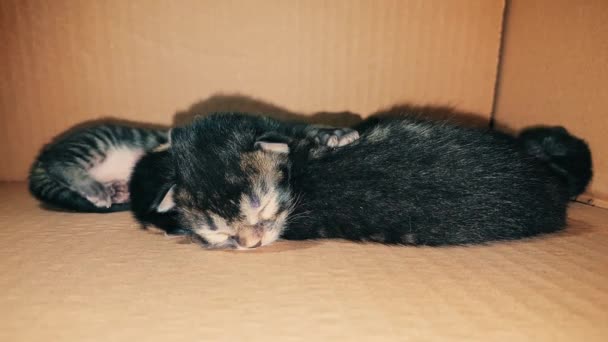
(405, 181)
(154, 176)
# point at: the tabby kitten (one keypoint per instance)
(88, 169)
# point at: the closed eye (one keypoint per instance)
(268, 222)
(264, 206)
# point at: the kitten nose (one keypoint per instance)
(247, 242)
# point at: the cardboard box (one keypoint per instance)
(88, 277)
(66, 62)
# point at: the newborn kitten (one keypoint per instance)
(152, 178)
(152, 181)
(88, 169)
(405, 181)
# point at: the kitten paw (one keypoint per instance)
(100, 202)
(336, 137)
(348, 138)
(97, 193)
(120, 191)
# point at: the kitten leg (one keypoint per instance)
(78, 179)
(333, 137)
(97, 193)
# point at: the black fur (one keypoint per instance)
(433, 183)
(152, 177)
(207, 154)
(405, 181)
(568, 156)
(202, 163)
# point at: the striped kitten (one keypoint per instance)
(88, 169)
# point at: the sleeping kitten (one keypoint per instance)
(155, 174)
(152, 177)
(405, 181)
(88, 169)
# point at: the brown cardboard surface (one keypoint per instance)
(88, 277)
(63, 62)
(554, 71)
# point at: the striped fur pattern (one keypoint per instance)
(88, 169)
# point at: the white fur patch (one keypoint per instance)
(117, 165)
(213, 238)
(267, 209)
(219, 237)
(221, 224)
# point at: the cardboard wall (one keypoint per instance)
(88, 278)
(63, 62)
(554, 70)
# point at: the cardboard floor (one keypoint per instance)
(96, 277)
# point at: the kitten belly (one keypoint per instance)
(117, 165)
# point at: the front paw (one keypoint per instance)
(120, 191)
(335, 137)
(97, 193)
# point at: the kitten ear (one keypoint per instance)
(167, 202)
(273, 142)
(272, 147)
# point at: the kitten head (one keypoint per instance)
(232, 185)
